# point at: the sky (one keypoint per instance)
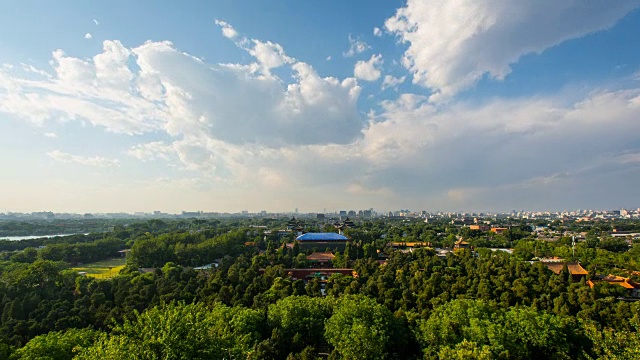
(231, 105)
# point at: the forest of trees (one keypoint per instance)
(469, 304)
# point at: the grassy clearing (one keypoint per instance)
(103, 269)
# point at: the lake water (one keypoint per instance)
(16, 238)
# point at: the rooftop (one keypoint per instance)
(613, 279)
(321, 256)
(322, 237)
(574, 268)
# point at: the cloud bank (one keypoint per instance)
(250, 133)
(454, 44)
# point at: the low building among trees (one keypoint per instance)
(576, 270)
(322, 241)
(321, 259)
(631, 286)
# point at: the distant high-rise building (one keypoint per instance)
(191, 213)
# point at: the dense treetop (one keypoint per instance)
(466, 304)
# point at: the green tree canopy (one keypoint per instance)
(360, 328)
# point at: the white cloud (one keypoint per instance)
(453, 44)
(88, 36)
(152, 151)
(222, 121)
(240, 104)
(269, 55)
(96, 22)
(227, 30)
(171, 91)
(356, 46)
(111, 67)
(249, 133)
(96, 161)
(377, 31)
(368, 70)
(500, 145)
(50, 135)
(32, 69)
(392, 82)
(328, 58)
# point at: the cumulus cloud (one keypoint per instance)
(368, 70)
(269, 55)
(96, 22)
(356, 46)
(392, 82)
(223, 120)
(227, 30)
(50, 135)
(168, 90)
(251, 132)
(96, 161)
(454, 44)
(377, 31)
(88, 36)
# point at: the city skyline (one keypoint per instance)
(231, 106)
(633, 212)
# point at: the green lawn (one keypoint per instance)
(103, 269)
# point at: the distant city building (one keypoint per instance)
(188, 214)
(499, 230)
(480, 227)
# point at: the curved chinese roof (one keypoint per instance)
(322, 237)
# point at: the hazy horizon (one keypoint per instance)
(247, 105)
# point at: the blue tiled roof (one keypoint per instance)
(321, 237)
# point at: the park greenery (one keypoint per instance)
(468, 304)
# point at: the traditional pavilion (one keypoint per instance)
(295, 226)
(346, 224)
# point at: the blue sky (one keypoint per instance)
(252, 105)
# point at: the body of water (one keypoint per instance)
(17, 238)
